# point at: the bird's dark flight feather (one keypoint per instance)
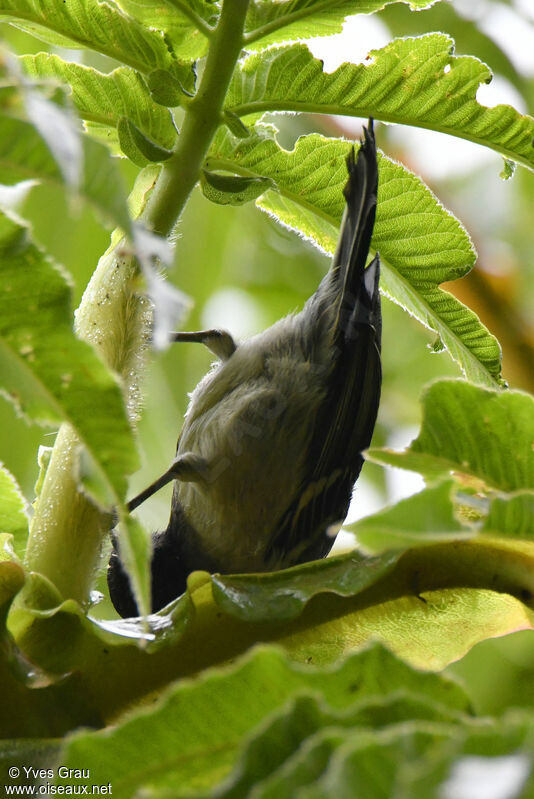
(345, 422)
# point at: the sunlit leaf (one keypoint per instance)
(180, 19)
(46, 371)
(421, 245)
(13, 510)
(288, 20)
(102, 99)
(469, 35)
(472, 432)
(410, 81)
(426, 517)
(511, 516)
(232, 189)
(430, 608)
(165, 89)
(94, 25)
(139, 149)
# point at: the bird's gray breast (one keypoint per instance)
(254, 435)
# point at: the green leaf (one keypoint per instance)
(420, 243)
(135, 551)
(473, 432)
(430, 608)
(58, 127)
(91, 24)
(284, 594)
(139, 149)
(512, 516)
(24, 156)
(424, 518)
(182, 20)
(165, 89)
(268, 23)
(45, 370)
(417, 760)
(370, 727)
(232, 189)
(212, 716)
(307, 734)
(329, 749)
(466, 31)
(51, 116)
(508, 169)
(102, 99)
(30, 706)
(410, 81)
(235, 125)
(13, 511)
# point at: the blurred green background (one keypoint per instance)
(243, 272)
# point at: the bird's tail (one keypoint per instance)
(348, 301)
(346, 425)
(358, 287)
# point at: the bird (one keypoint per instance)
(272, 440)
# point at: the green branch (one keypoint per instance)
(202, 118)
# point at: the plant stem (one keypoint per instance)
(202, 118)
(67, 528)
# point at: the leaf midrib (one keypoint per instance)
(262, 107)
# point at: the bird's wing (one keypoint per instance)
(346, 419)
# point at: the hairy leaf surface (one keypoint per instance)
(268, 23)
(255, 691)
(102, 99)
(417, 81)
(421, 245)
(180, 19)
(474, 433)
(94, 25)
(13, 511)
